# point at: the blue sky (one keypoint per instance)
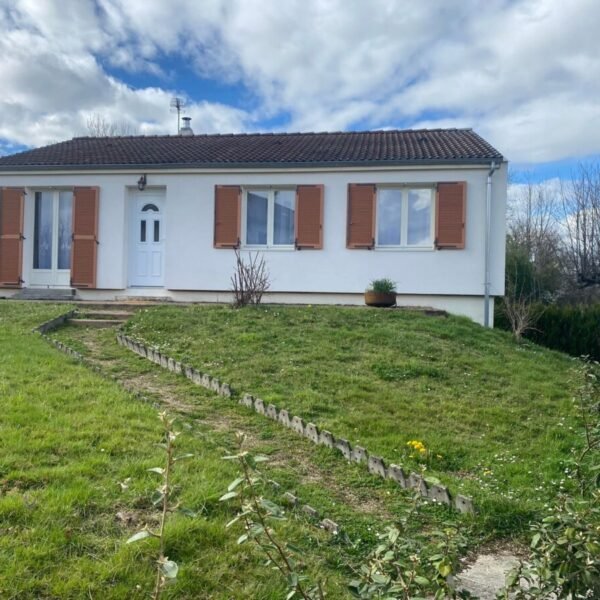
(525, 74)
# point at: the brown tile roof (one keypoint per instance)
(256, 150)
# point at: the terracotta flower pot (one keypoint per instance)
(380, 298)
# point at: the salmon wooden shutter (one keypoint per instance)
(450, 215)
(11, 236)
(309, 216)
(85, 237)
(361, 216)
(228, 206)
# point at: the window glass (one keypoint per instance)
(283, 225)
(43, 231)
(143, 230)
(257, 210)
(156, 231)
(419, 217)
(65, 211)
(389, 217)
(151, 207)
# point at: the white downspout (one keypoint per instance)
(488, 232)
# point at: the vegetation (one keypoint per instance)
(382, 286)
(553, 263)
(257, 514)
(565, 554)
(557, 227)
(496, 418)
(571, 329)
(250, 279)
(78, 451)
(166, 569)
(407, 565)
(565, 547)
(74, 483)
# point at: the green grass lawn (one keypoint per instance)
(496, 417)
(67, 438)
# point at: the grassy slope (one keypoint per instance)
(67, 437)
(496, 416)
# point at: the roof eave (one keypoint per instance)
(262, 165)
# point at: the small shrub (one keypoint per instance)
(257, 514)
(250, 279)
(521, 315)
(382, 286)
(166, 569)
(565, 555)
(407, 565)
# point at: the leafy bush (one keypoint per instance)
(407, 565)
(565, 554)
(571, 329)
(382, 286)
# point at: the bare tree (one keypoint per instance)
(250, 279)
(99, 126)
(533, 231)
(581, 221)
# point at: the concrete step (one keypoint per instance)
(119, 315)
(57, 294)
(96, 322)
(120, 305)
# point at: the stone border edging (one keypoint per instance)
(166, 362)
(55, 323)
(327, 524)
(375, 464)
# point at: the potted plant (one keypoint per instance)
(381, 292)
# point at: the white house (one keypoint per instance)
(159, 216)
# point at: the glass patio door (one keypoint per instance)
(52, 238)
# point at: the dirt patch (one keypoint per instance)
(91, 343)
(312, 474)
(136, 519)
(148, 383)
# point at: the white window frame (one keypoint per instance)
(271, 189)
(405, 189)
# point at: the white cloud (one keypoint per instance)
(524, 73)
(53, 81)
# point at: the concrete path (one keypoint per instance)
(486, 576)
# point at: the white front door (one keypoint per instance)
(52, 236)
(147, 239)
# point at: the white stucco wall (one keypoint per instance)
(191, 262)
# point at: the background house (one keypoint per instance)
(159, 216)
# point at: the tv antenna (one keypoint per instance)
(178, 105)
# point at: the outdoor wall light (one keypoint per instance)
(142, 183)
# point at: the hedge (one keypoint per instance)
(571, 329)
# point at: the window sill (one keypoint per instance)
(404, 248)
(268, 248)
